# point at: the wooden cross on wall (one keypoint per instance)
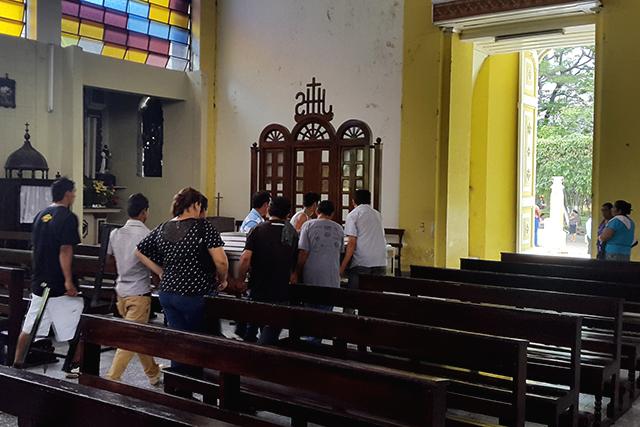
(218, 198)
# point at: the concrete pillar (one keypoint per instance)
(44, 21)
(616, 141)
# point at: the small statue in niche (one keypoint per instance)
(105, 154)
(105, 160)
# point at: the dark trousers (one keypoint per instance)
(353, 274)
(185, 313)
(269, 335)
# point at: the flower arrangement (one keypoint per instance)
(97, 195)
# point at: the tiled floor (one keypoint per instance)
(134, 375)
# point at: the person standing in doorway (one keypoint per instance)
(619, 234)
(587, 236)
(271, 254)
(536, 225)
(259, 210)
(55, 233)
(310, 204)
(574, 221)
(133, 285)
(366, 251)
(606, 217)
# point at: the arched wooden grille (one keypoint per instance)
(313, 156)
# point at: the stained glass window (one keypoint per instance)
(154, 32)
(13, 17)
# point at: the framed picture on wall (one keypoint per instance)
(7, 92)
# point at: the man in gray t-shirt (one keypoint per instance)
(321, 242)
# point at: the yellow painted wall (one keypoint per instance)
(493, 177)
(420, 132)
(435, 141)
(616, 171)
(459, 145)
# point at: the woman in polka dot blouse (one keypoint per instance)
(174, 251)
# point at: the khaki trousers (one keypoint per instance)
(135, 309)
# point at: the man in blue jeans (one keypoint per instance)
(366, 246)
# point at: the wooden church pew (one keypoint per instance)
(13, 308)
(600, 314)
(549, 270)
(549, 329)
(438, 348)
(40, 401)
(630, 351)
(511, 257)
(315, 388)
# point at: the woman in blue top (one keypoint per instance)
(618, 235)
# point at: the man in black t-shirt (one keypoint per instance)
(270, 252)
(55, 233)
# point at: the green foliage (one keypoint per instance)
(568, 156)
(565, 125)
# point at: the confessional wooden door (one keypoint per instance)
(314, 157)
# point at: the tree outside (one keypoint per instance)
(565, 124)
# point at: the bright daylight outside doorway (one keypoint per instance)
(563, 211)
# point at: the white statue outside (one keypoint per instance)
(555, 236)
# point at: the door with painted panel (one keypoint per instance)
(527, 136)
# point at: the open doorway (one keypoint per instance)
(563, 152)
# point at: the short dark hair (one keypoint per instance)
(279, 207)
(326, 207)
(204, 203)
(623, 206)
(309, 199)
(259, 199)
(362, 197)
(607, 205)
(60, 187)
(184, 199)
(136, 204)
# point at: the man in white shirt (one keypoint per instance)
(366, 246)
(133, 285)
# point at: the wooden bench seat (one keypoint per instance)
(599, 314)
(42, 401)
(13, 308)
(379, 396)
(549, 270)
(630, 360)
(628, 266)
(546, 328)
(438, 348)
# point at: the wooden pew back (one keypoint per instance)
(476, 352)
(536, 327)
(38, 400)
(388, 394)
(550, 270)
(598, 312)
(12, 307)
(516, 258)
